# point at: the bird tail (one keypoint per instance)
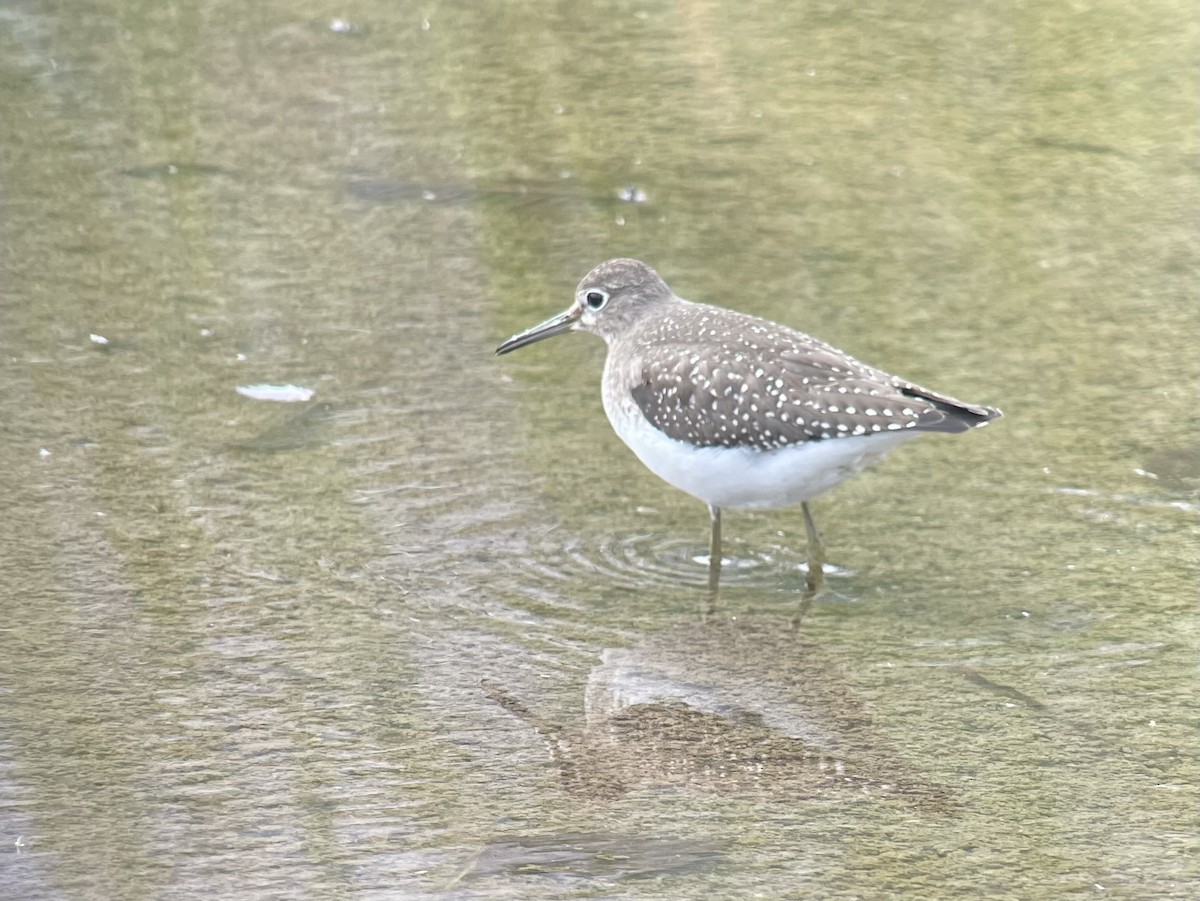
(957, 416)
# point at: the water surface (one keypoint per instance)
(434, 631)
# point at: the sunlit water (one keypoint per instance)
(433, 632)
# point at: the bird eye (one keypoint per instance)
(596, 299)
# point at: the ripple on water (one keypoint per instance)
(638, 559)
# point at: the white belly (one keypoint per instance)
(746, 478)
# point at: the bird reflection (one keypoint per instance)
(730, 708)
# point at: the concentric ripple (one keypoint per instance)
(640, 559)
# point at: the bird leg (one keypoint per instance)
(815, 579)
(714, 559)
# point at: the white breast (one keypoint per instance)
(739, 477)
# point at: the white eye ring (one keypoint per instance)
(595, 299)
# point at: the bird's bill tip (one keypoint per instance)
(555, 325)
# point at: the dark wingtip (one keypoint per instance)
(991, 413)
(962, 417)
(955, 416)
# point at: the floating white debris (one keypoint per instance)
(284, 394)
(97, 339)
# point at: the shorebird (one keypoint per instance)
(737, 411)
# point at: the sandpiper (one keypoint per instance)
(738, 411)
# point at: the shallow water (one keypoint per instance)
(434, 632)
